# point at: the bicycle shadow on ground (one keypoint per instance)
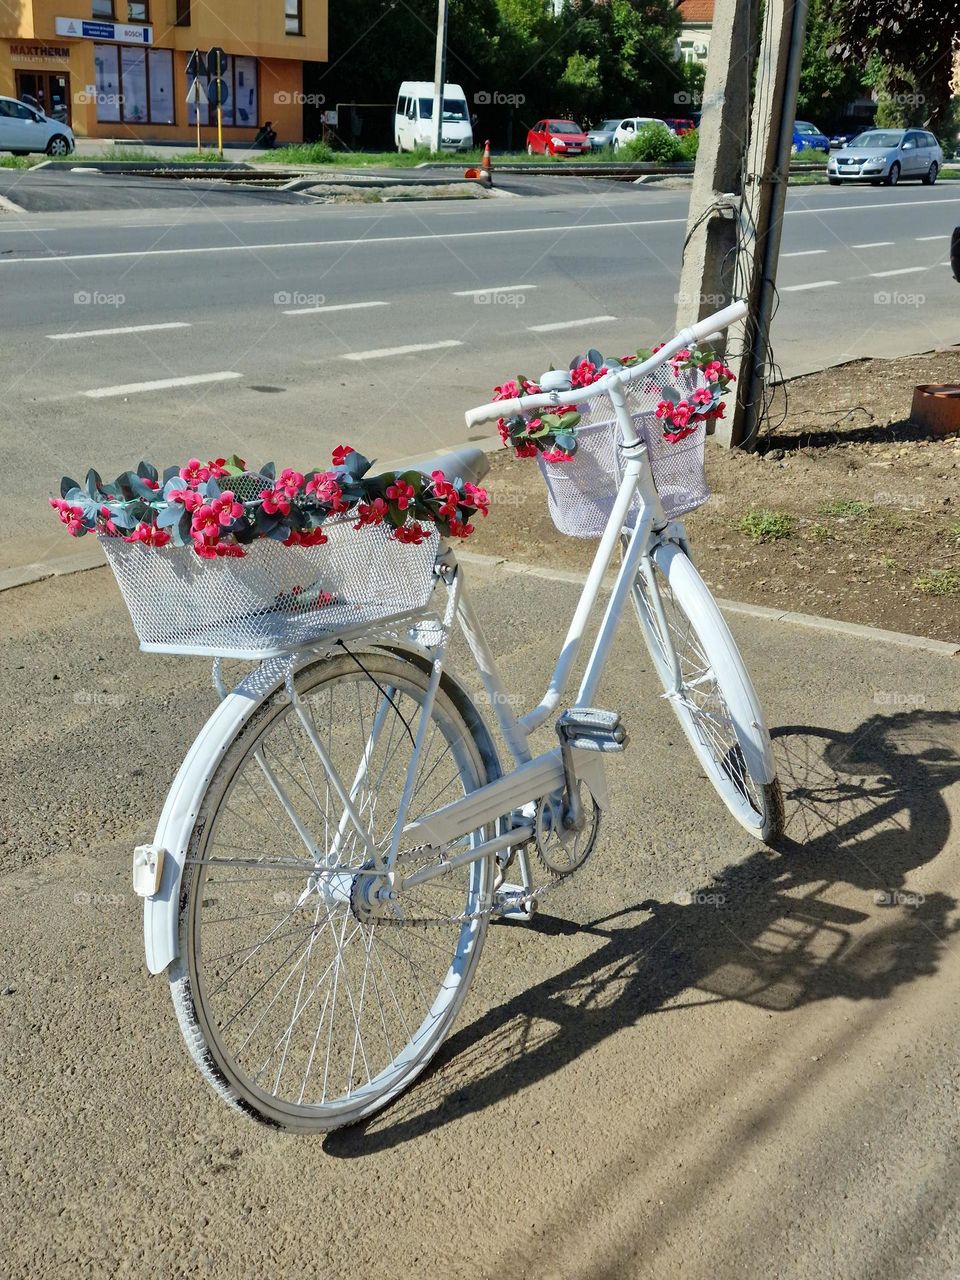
(863, 809)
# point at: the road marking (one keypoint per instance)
(814, 284)
(451, 235)
(34, 230)
(334, 306)
(144, 226)
(922, 238)
(133, 388)
(874, 244)
(402, 351)
(569, 324)
(900, 271)
(503, 288)
(107, 333)
(802, 253)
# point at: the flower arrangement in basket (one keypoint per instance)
(219, 508)
(682, 409)
(579, 454)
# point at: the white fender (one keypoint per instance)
(161, 910)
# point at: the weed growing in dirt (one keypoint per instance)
(820, 533)
(761, 525)
(938, 582)
(888, 562)
(844, 507)
(955, 533)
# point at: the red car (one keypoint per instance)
(557, 138)
(680, 127)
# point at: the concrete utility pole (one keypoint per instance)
(709, 256)
(765, 198)
(712, 269)
(439, 73)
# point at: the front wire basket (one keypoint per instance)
(274, 598)
(581, 492)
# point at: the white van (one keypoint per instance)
(413, 120)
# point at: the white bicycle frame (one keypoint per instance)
(532, 777)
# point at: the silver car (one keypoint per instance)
(602, 135)
(887, 155)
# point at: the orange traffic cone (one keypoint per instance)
(485, 166)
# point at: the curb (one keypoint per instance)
(943, 648)
(27, 574)
(10, 206)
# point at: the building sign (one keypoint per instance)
(32, 51)
(119, 31)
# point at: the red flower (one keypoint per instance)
(327, 491)
(290, 481)
(371, 513)
(275, 501)
(341, 453)
(446, 493)
(105, 522)
(680, 434)
(229, 549)
(401, 493)
(556, 455)
(305, 538)
(411, 533)
(149, 535)
(227, 509)
(460, 529)
(205, 525)
(71, 516)
(151, 484)
(526, 450)
(477, 497)
(190, 499)
(194, 473)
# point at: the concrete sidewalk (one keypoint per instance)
(704, 1060)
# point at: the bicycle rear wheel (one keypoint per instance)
(297, 1008)
(715, 703)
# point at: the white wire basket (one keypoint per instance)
(274, 598)
(581, 493)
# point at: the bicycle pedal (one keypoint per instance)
(592, 729)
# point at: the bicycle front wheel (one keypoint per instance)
(297, 1007)
(714, 698)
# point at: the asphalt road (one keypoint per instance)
(281, 331)
(706, 1061)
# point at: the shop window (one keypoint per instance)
(241, 102)
(160, 86)
(106, 62)
(133, 77)
(293, 12)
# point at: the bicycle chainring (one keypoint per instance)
(562, 849)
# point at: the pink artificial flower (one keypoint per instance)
(447, 494)
(305, 538)
(503, 430)
(105, 523)
(205, 526)
(189, 498)
(411, 533)
(149, 535)
(680, 433)
(275, 501)
(327, 491)
(460, 528)
(585, 373)
(194, 473)
(217, 468)
(401, 493)
(227, 509)
(70, 515)
(371, 513)
(702, 396)
(341, 453)
(290, 481)
(151, 484)
(509, 391)
(556, 455)
(477, 497)
(533, 424)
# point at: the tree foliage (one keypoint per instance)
(827, 82)
(914, 40)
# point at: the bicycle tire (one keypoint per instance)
(718, 707)
(210, 882)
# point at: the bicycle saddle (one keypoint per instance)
(465, 464)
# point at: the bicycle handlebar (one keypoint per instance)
(709, 327)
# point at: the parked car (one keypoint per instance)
(887, 155)
(680, 127)
(955, 253)
(602, 135)
(842, 137)
(557, 138)
(807, 137)
(24, 129)
(413, 117)
(627, 129)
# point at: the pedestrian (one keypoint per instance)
(266, 136)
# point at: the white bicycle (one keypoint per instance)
(340, 834)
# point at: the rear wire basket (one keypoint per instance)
(274, 598)
(581, 493)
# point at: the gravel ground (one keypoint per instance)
(706, 1060)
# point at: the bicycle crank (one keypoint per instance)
(565, 833)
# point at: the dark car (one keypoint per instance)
(955, 253)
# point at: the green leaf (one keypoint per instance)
(269, 469)
(595, 358)
(234, 465)
(569, 421)
(67, 486)
(148, 471)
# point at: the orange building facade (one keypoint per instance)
(118, 68)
